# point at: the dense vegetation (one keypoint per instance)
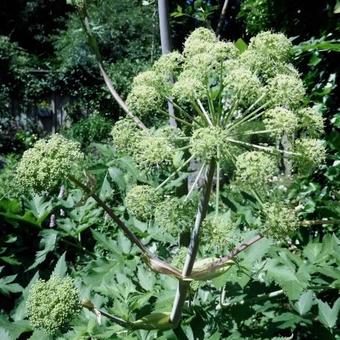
(98, 222)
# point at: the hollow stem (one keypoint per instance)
(183, 286)
(195, 181)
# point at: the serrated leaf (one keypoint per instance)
(311, 251)
(20, 310)
(108, 244)
(14, 329)
(305, 303)
(117, 176)
(4, 335)
(286, 278)
(60, 267)
(105, 190)
(327, 315)
(48, 241)
(124, 243)
(7, 286)
(40, 208)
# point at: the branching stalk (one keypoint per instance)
(150, 259)
(84, 18)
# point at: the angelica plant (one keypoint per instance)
(244, 117)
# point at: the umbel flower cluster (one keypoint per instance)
(52, 304)
(246, 109)
(48, 163)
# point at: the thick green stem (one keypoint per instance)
(183, 286)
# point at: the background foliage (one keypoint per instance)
(274, 291)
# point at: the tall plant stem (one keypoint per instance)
(183, 286)
(84, 18)
(198, 176)
(218, 170)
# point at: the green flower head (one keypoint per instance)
(255, 170)
(275, 45)
(311, 121)
(286, 90)
(189, 87)
(201, 65)
(145, 100)
(141, 200)
(173, 215)
(52, 304)
(125, 135)
(310, 154)
(241, 83)
(217, 231)
(266, 67)
(280, 221)
(169, 64)
(199, 41)
(153, 151)
(207, 143)
(280, 121)
(148, 78)
(48, 163)
(223, 51)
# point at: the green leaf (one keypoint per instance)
(39, 208)
(337, 7)
(241, 45)
(286, 278)
(40, 335)
(14, 329)
(106, 190)
(105, 242)
(19, 312)
(4, 335)
(327, 315)
(312, 251)
(60, 267)
(124, 243)
(7, 286)
(305, 302)
(146, 278)
(48, 241)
